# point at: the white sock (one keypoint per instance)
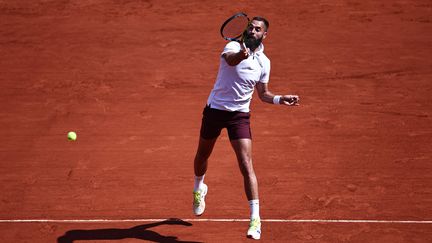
(199, 182)
(254, 208)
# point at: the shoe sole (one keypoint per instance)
(251, 237)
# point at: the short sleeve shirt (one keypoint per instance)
(235, 85)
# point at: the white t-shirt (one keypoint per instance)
(235, 85)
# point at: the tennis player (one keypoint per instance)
(242, 69)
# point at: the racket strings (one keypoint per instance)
(236, 27)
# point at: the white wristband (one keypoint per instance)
(276, 99)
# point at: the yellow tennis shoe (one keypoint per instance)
(254, 231)
(198, 200)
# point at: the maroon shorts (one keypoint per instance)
(237, 123)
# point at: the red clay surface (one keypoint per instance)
(131, 78)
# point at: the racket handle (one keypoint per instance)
(244, 46)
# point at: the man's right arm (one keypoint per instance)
(234, 58)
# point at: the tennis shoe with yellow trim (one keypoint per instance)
(198, 200)
(254, 231)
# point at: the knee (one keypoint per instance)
(201, 157)
(246, 167)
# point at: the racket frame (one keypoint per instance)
(240, 14)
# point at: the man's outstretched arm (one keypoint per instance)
(266, 96)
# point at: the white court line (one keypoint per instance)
(218, 220)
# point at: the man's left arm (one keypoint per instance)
(266, 96)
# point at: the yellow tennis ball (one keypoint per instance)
(72, 136)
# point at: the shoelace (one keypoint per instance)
(254, 224)
(197, 197)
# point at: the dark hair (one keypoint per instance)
(262, 19)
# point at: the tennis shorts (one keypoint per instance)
(237, 124)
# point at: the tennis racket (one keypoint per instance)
(233, 29)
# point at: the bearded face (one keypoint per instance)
(252, 42)
(254, 34)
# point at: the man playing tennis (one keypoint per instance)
(243, 66)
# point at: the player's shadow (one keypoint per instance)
(138, 232)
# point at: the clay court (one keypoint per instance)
(352, 163)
